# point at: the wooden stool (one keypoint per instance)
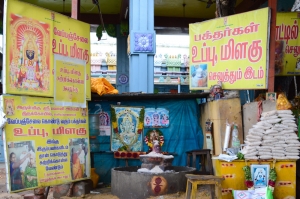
(194, 180)
(205, 158)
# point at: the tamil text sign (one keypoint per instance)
(287, 47)
(32, 37)
(45, 144)
(232, 50)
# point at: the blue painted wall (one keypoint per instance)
(183, 134)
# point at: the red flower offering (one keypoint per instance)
(135, 155)
(116, 130)
(123, 154)
(271, 183)
(117, 154)
(139, 131)
(249, 183)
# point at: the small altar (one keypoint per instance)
(233, 173)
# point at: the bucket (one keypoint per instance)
(94, 124)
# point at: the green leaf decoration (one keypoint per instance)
(247, 171)
(99, 32)
(240, 156)
(124, 28)
(273, 174)
(111, 30)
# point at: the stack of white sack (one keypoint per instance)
(273, 137)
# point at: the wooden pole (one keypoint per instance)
(75, 9)
(271, 76)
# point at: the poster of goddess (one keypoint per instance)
(127, 128)
(156, 117)
(28, 56)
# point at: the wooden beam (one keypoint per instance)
(248, 5)
(2, 9)
(271, 76)
(175, 21)
(158, 21)
(75, 9)
(95, 18)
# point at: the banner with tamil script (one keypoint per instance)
(232, 50)
(69, 84)
(287, 47)
(46, 145)
(32, 37)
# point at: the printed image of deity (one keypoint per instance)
(29, 55)
(129, 129)
(260, 177)
(156, 117)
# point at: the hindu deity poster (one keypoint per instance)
(260, 175)
(32, 37)
(104, 126)
(156, 117)
(127, 128)
(28, 57)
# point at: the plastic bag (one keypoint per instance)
(102, 86)
(259, 193)
(282, 102)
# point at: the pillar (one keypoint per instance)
(271, 76)
(142, 46)
(122, 78)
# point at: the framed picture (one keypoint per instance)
(260, 175)
(156, 118)
(127, 128)
(271, 96)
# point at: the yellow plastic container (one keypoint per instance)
(94, 177)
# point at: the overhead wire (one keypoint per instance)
(100, 14)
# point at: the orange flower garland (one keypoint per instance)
(156, 135)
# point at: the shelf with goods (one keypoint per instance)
(162, 78)
(169, 69)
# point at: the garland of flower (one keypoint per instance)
(148, 140)
(116, 131)
(249, 181)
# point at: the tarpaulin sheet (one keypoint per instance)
(183, 134)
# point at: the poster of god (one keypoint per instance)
(156, 117)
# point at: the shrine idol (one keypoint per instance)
(29, 56)
(29, 75)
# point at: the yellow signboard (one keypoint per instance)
(32, 36)
(46, 145)
(69, 84)
(232, 50)
(287, 47)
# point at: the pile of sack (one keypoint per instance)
(273, 137)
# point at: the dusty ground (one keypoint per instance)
(105, 193)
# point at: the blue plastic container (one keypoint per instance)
(94, 124)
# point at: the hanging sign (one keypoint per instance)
(69, 84)
(46, 145)
(232, 50)
(32, 37)
(287, 46)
